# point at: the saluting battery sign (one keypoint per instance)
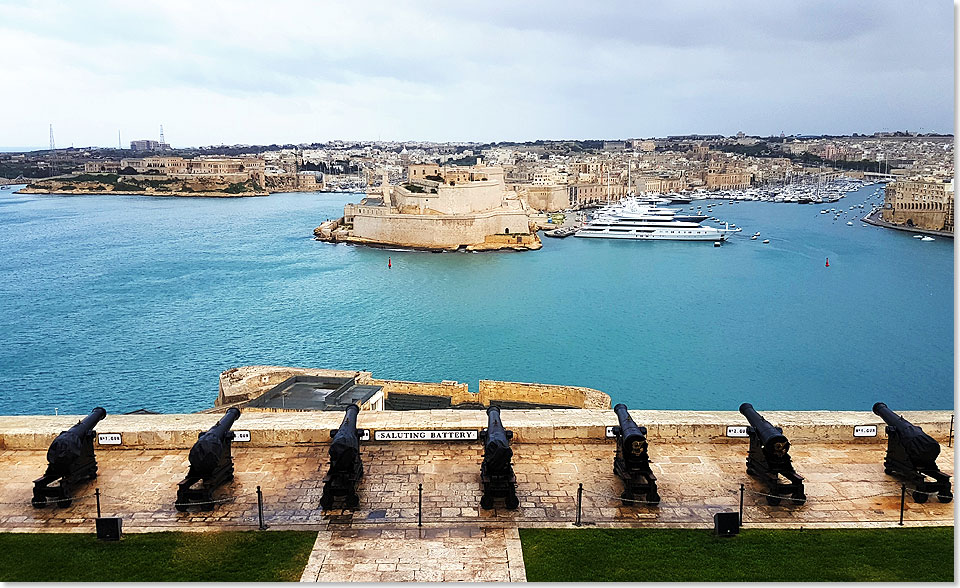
(467, 435)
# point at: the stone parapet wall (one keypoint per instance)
(268, 429)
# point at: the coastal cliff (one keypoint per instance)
(149, 185)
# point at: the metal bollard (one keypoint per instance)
(950, 440)
(741, 505)
(263, 527)
(419, 505)
(579, 504)
(98, 502)
(903, 498)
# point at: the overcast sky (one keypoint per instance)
(274, 72)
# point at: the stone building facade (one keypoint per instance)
(925, 203)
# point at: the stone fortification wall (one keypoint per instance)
(457, 392)
(568, 396)
(179, 431)
(247, 382)
(464, 198)
(438, 231)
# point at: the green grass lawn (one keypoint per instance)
(683, 555)
(247, 556)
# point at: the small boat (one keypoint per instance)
(717, 243)
(849, 223)
(928, 239)
(766, 240)
(918, 236)
(757, 234)
(753, 238)
(823, 212)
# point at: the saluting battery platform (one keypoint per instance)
(71, 460)
(912, 457)
(769, 460)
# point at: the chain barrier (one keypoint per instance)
(657, 502)
(156, 503)
(49, 500)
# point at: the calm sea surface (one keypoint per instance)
(139, 302)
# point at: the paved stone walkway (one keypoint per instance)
(468, 553)
(459, 540)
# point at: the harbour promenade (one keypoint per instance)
(390, 538)
(873, 218)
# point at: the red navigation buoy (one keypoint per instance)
(828, 262)
(389, 265)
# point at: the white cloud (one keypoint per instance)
(307, 71)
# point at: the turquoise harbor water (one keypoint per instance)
(138, 302)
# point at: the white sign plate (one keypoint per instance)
(364, 434)
(241, 436)
(108, 438)
(865, 431)
(460, 435)
(737, 432)
(610, 432)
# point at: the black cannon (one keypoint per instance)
(211, 464)
(769, 459)
(912, 457)
(346, 469)
(632, 462)
(69, 459)
(496, 471)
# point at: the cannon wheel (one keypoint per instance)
(653, 497)
(944, 497)
(920, 497)
(626, 496)
(773, 500)
(181, 507)
(799, 499)
(511, 502)
(353, 500)
(486, 502)
(38, 502)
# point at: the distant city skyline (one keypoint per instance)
(300, 72)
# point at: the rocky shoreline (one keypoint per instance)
(139, 193)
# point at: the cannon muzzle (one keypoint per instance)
(883, 411)
(772, 438)
(225, 422)
(87, 424)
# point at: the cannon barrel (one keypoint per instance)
(772, 438)
(922, 448)
(628, 427)
(223, 425)
(888, 416)
(345, 446)
(206, 453)
(69, 444)
(90, 421)
(496, 449)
